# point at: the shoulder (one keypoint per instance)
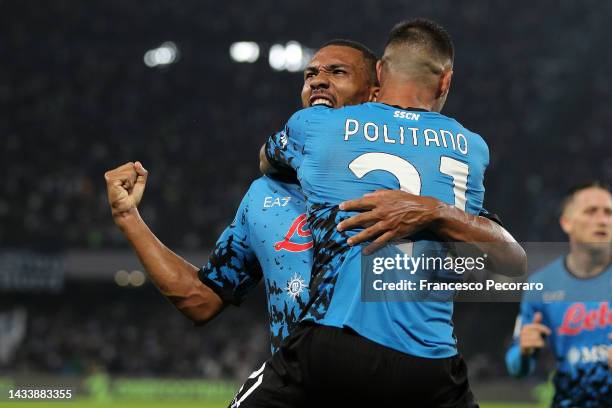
(306, 115)
(318, 113)
(259, 183)
(475, 141)
(473, 137)
(266, 185)
(367, 108)
(479, 144)
(462, 129)
(259, 186)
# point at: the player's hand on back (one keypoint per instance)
(387, 215)
(533, 335)
(125, 186)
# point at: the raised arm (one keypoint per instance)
(175, 278)
(394, 214)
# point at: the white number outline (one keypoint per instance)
(408, 176)
(459, 171)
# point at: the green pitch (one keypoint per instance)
(83, 403)
(509, 405)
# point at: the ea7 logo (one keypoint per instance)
(276, 201)
(298, 226)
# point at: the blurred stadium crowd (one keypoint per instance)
(133, 333)
(77, 99)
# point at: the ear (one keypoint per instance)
(445, 82)
(566, 224)
(379, 65)
(374, 93)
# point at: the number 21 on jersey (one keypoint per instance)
(408, 176)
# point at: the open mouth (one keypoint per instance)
(321, 100)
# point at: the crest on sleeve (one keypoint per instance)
(283, 139)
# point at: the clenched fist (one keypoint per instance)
(533, 335)
(125, 186)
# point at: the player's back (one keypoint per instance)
(385, 147)
(343, 153)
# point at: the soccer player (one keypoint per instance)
(380, 353)
(269, 237)
(574, 312)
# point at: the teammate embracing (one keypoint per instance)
(348, 352)
(269, 238)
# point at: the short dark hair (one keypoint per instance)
(571, 193)
(423, 32)
(368, 55)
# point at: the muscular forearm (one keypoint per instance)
(504, 254)
(175, 277)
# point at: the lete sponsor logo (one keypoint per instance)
(299, 227)
(577, 318)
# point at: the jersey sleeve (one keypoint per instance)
(517, 364)
(233, 270)
(479, 152)
(285, 149)
(491, 216)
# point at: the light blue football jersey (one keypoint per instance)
(268, 238)
(341, 154)
(580, 326)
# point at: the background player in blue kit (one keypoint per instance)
(399, 141)
(578, 321)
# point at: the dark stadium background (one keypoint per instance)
(532, 77)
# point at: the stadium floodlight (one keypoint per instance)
(276, 57)
(244, 51)
(165, 54)
(137, 278)
(292, 57)
(122, 278)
